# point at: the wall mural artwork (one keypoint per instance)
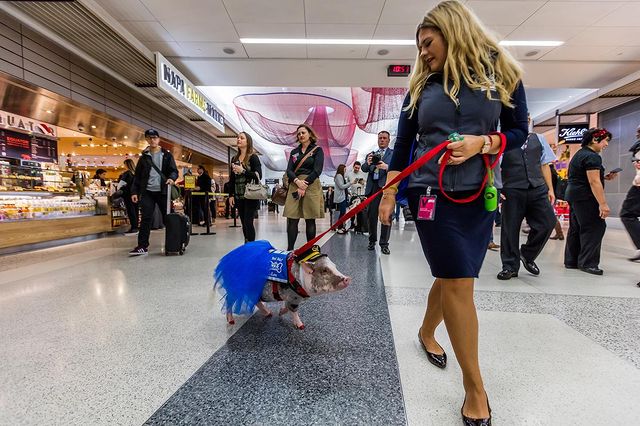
(276, 116)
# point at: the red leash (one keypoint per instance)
(406, 172)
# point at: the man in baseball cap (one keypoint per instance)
(156, 169)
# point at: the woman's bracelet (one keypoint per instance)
(392, 190)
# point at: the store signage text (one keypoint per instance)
(27, 124)
(572, 133)
(173, 82)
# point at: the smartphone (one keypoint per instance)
(616, 170)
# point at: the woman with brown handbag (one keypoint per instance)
(304, 196)
(245, 168)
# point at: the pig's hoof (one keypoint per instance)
(231, 322)
(283, 311)
(268, 315)
(230, 319)
(300, 327)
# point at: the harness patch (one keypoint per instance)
(278, 271)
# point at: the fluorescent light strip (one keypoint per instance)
(326, 41)
(532, 43)
(329, 41)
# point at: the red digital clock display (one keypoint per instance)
(398, 70)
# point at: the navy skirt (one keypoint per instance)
(455, 242)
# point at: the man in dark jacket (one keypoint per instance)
(203, 184)
(528, 192)
(155, 170)
(376, 165)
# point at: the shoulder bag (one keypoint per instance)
(175, 192)
(280, 194)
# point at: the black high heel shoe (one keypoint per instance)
(468, 421)
(439, 361)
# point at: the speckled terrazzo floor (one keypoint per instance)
(90, 336)
(341, 369)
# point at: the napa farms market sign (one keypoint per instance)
(177, 85)
(572, 133)
(27, 124)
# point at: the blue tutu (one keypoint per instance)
(241, 275)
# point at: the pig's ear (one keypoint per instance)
(307, 267)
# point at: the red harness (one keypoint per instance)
(292, 283)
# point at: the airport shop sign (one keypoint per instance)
(572, 133)
(25, 124)
(177, 85)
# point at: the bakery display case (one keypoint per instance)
(40, 203)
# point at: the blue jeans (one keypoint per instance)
(342, 208)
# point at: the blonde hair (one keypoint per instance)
(473, 55)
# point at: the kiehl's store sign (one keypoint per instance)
(177, 85)
(572, 133)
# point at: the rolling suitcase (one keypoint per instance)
(177, 231)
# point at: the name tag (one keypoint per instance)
(278, 271)
(427, 207)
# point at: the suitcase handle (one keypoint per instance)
(168, 198)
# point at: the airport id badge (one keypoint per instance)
(427, 207)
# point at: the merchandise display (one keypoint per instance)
(43, 205)
(31, 190)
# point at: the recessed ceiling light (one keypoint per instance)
(229, 51)
(383, 52)
(126, 137)
(540, 43)
(93, 126)
(326, 41)
(49, 111)
(531, 53)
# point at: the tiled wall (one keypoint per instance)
(622, 123)
(29, 56)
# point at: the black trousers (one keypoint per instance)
(385, 230)
(247, 210)
(148, 202)
(584, 239)
(531, 204)
(630, 213)
(132, 211)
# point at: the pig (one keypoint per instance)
(274, 275)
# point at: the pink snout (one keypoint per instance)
(344, 283)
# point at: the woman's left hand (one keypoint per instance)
(463, 150)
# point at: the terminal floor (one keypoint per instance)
(91, 336)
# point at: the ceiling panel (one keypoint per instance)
(343, 11)
(147, 31)
(559, 33)
(627, 16)
(167, 48)
(528, 53)
(405, 53)
(606, 36)
(577, 14)
(580, 53)
(188, 30)
(276, 50)
(126, 10)
(337, 52)
(502, 31)
(198, 10)
(340, 30)
(211, 50)
(402, 32)
(268, 30)
(269, 11)
(501, 12)
(409, 12)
